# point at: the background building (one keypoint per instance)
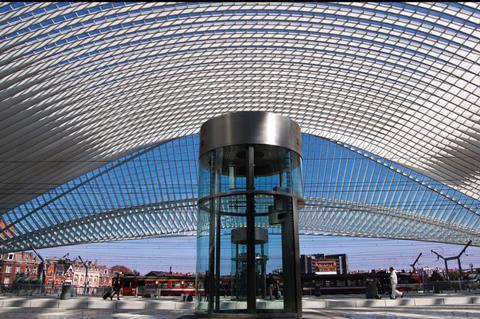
(73, 271)
(15, 264)
(341, 263)
(57, 271)
(98, 277)
(324, 264)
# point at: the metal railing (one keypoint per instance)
(449, 286)
(383, 288)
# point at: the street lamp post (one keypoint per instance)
(86, 274)
(42, 273)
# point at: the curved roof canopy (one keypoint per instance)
(153, 192)
(85, 84)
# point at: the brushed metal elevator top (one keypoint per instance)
(250, 127)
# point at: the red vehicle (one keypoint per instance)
(152, 286)
(176, 285)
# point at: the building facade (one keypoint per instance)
(324, 264)
(74, 272)
(91, 281)
(17, 264)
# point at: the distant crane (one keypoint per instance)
(446, 259)
(415, 262)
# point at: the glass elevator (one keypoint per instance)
(250, 190)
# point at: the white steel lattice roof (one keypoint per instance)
(83, 84)
(153, 192)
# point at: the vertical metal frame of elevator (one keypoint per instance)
(251, 275)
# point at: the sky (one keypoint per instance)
(180, 253)
(332, 172)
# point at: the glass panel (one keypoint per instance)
(232, 164)
(233, 280)
(278, 169)
(203, 223)
(269, 262)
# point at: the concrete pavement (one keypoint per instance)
(436, 306)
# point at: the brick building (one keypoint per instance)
(73, 271)
(13, 264)
(57, 272)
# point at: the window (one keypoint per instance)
(8, 269)
(10, 256)
(6, 280)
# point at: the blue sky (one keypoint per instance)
(180, 252)
(331, 171)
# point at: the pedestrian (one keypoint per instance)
(116, 288)
(393, 285)
(277, 291)
(270, 283)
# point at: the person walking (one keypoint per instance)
(270, 283)
(277, 290)
(393, 284)
(116, 288)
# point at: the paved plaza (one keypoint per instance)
(430, 312)
(418, 306)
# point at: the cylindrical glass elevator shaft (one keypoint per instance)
(247, 233)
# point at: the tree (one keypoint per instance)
(121, 268)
